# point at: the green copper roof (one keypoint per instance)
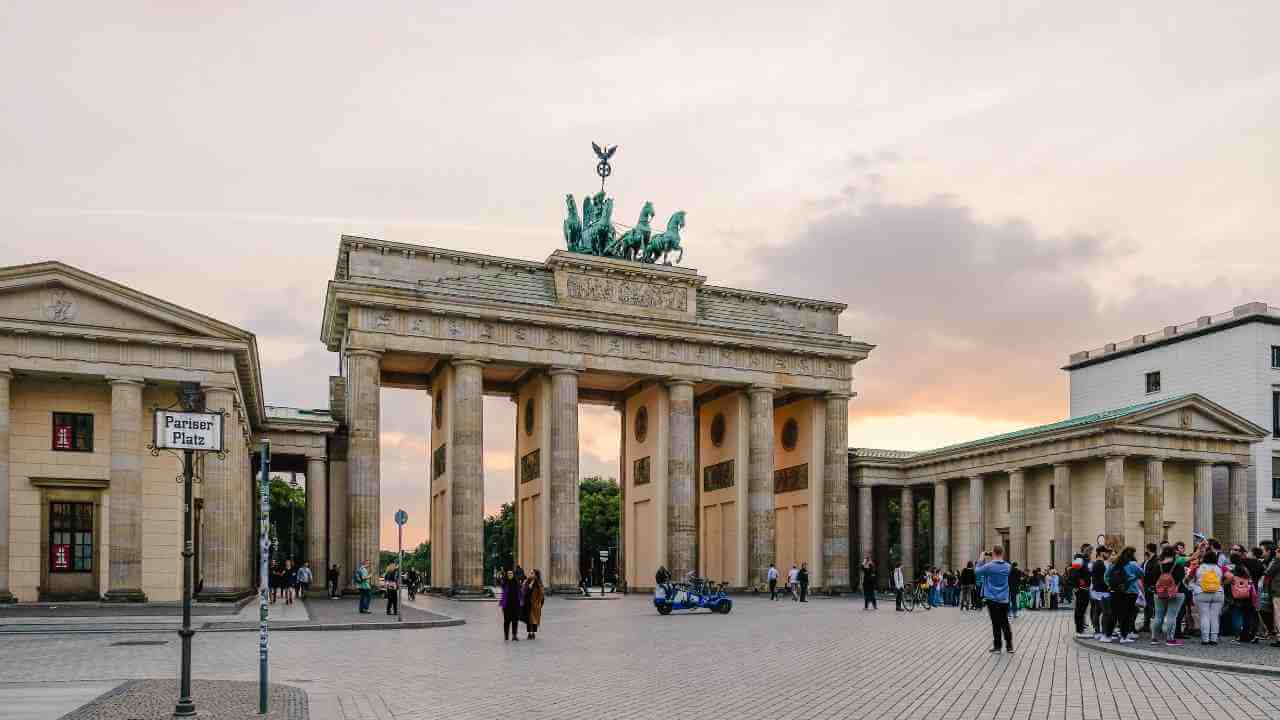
(1080, 421)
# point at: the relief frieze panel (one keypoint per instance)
(617, 291)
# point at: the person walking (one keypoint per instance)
(391, 583)
(994, 577)
(510, 602)
(1150, 574)
(1016, 578)
(773, 582)
(803, 579)
(331, 579)
(793, 582)
(1207, 590)
(896, 585)
(288, 581)
(1167, 592)
(534, 597)
(363, 580)
(1055, 588)
(304, 580)
(868, 583)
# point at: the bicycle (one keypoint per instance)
(917, 594)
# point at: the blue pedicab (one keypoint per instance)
(695, 594)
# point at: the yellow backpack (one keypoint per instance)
(1209, 581)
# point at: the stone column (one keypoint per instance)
(835, 495)
(1113, 502)
(866, 522)
(760, 536)
(1153, 502)
(338, 516)
(977, 517)
(124, 582)
(1017, 518)
(221, 541)
(6, 380)
(1202, 515)
(1064, 544)
(1238, 499)
(941, 525)
(907, 531)
(317, 520)
(467, 476)
(682, 494)
(364, 378)
(563, 484)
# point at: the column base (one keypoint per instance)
(836, 590)
(7, 597)
(124, 596)
(564, 589)
(224, 594)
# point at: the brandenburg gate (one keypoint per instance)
(733, 403)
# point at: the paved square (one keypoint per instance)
(822, 659)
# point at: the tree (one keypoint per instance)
(499, 540)
(288, 517)
(599, 508)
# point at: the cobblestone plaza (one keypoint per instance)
(619, 659)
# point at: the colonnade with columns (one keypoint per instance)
(1042, 513)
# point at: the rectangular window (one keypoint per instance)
(1275, 356)
(1275, 480)
(73, 432)
(1275, 413)
(70, 537)
(1008, 501)
(1052, 503)
(1153, 382)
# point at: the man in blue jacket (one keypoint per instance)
(993, 576)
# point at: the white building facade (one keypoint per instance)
(1233, 359)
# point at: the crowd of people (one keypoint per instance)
(1211, 591)
(285, 581)
(797, 585)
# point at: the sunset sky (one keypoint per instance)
(989, 186)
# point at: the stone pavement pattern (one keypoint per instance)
(823, 659)
(218, 700)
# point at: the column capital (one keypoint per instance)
(977, 476)
(1115, 456)
(1239, 465)
(1018, 470)
(467, 361)
(218, 388)
(1064, 464)
(1155, 459)
(363, 352)
(838, 394)
(676, 381)
(1205, 463)
(563, 370)
(6, 373)
(762, 390)
(126, 381)
(942, 482)
(316, 458)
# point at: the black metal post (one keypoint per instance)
(185, 707)
(264, 552)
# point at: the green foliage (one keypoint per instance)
(599, 508)
(288, 519)
(499, 541)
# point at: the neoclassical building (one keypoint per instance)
(1128, 476)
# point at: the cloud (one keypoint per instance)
(971, 317)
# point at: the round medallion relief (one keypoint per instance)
(642, 423)
(717, 430)
(790, 434)
(528, 416)
(437, 410)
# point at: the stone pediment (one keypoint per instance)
(1193, 413)
(53, 294)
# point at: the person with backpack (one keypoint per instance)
(1150, 574)
(1124, 582)
(1207, 588)
(1100, 596)
(1016, 578)
(1272, 580)
(1167, 590)
(1079, 580)
(1244, 596)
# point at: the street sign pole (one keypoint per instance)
(264, 552)
(185, 707)
(402, 517)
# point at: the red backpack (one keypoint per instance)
(1241, 588)
(1166, 588)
